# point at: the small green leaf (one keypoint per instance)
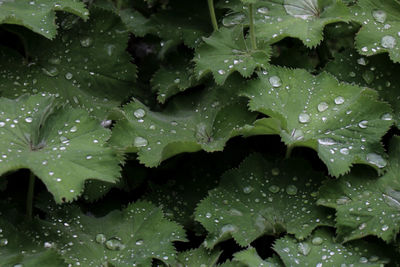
(320, 113)
(90, 69)
(261, 197)
(366, 205)
(320, 249)
(62, 146)
(203, 120)
(227, 51)
(201, 257)
(380, 20)
(39, 15)
(18, 249)
(350, 67)
(133, 236)
(251, 258)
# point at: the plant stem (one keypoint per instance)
(29, 196)
(252, 34)
(212, 14)
(288, 151)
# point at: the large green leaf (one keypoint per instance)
(262, 197)
(251, 258)
(320, 113)
(350, 67)
(61, 146)
(320, 249)
(203, 120)
(226, 51)
(201, 257)
(86, 66)
(39, 15)
(380, 20)
(131, 237)
(303, 19)
(366, 205)
(18, 249)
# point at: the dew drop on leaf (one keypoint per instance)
(2, 124)
(326, 141)
(73, 129)
(274, 189)
(376, 160)
(379, 15)
(322, 106)
(304, 248)
(263, 10)
(28, 119)
(221, 72)
(51, 71)
(114, 244)
(275, 81)
(342, 200)
(388, 41)
(387, 117)
(139, 113)
(3, 242)
(317, 241)
(139, 242)
(385, 228)
(86, 41)
(291, 190)
(68, 76)
(248, 189)
(339, 100)
(140, 142)
(304, 118)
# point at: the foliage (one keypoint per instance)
(199, 133)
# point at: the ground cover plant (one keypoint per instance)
(199, 133)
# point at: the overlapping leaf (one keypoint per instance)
(87, 65)
(61, 146)
(349, 66)
(251, 258)
(320, 113)
(39, 15)
(261, 197)
(226, 51)
(133, 236)
(17, 249)
(367, 205)
(303, 19)
(320, 249)
(198, 257)
(203, 120)
(380, 22)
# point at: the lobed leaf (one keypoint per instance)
(320, 113)
(198, 257)
(39, 15)
(262, 197)
(86, 66)
(62, 146)
(251, 258)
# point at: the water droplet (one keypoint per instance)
(89, 157)
(362, 226)
(3, 242)
(342, 200)
(140, 142)
(51, 71)
(73, 129)
(235, 212)
(221, 72)
(388, 41)
(139, 242)
(363, 260)
(263, 10)
(304, 118)
(368, 76)
(86, 41)
(339, 100)
(68, 76)
(229, 228)
(317, 241)
(114, 244)
(275, 171)
(275, 81)
(379, 15)
(322, 106)
(344, 151)
(361, 61)
(387, 117)
(233, 19)
(28, 119)
(274, 189)
(2, 124)
(208, 215)
(326, 141)
(385, 228)
(363, 124)
(110, 49)
(304, 248)
(376, 160)
(291, 190)
(139, 113)
(248, 189)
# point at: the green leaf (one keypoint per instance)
(133, 236)
(173, 78)
(62, 146)
(349, 66)
(198, 257)
(86, 65)
(366, 205)
(262, 197)
(39, 15)
(203, 120)
(320, 113)
(18, 249)
(380, 22)
(320, 249)
(226, 51)
(251, 258)
(303, 19)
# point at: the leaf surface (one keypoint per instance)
(39, 15)
(198, 257)
(262, 197)
(320, 113)
(62, 146)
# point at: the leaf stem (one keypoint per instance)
(252, 34)
(288, 151)
(29, 196)
(212, 14)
